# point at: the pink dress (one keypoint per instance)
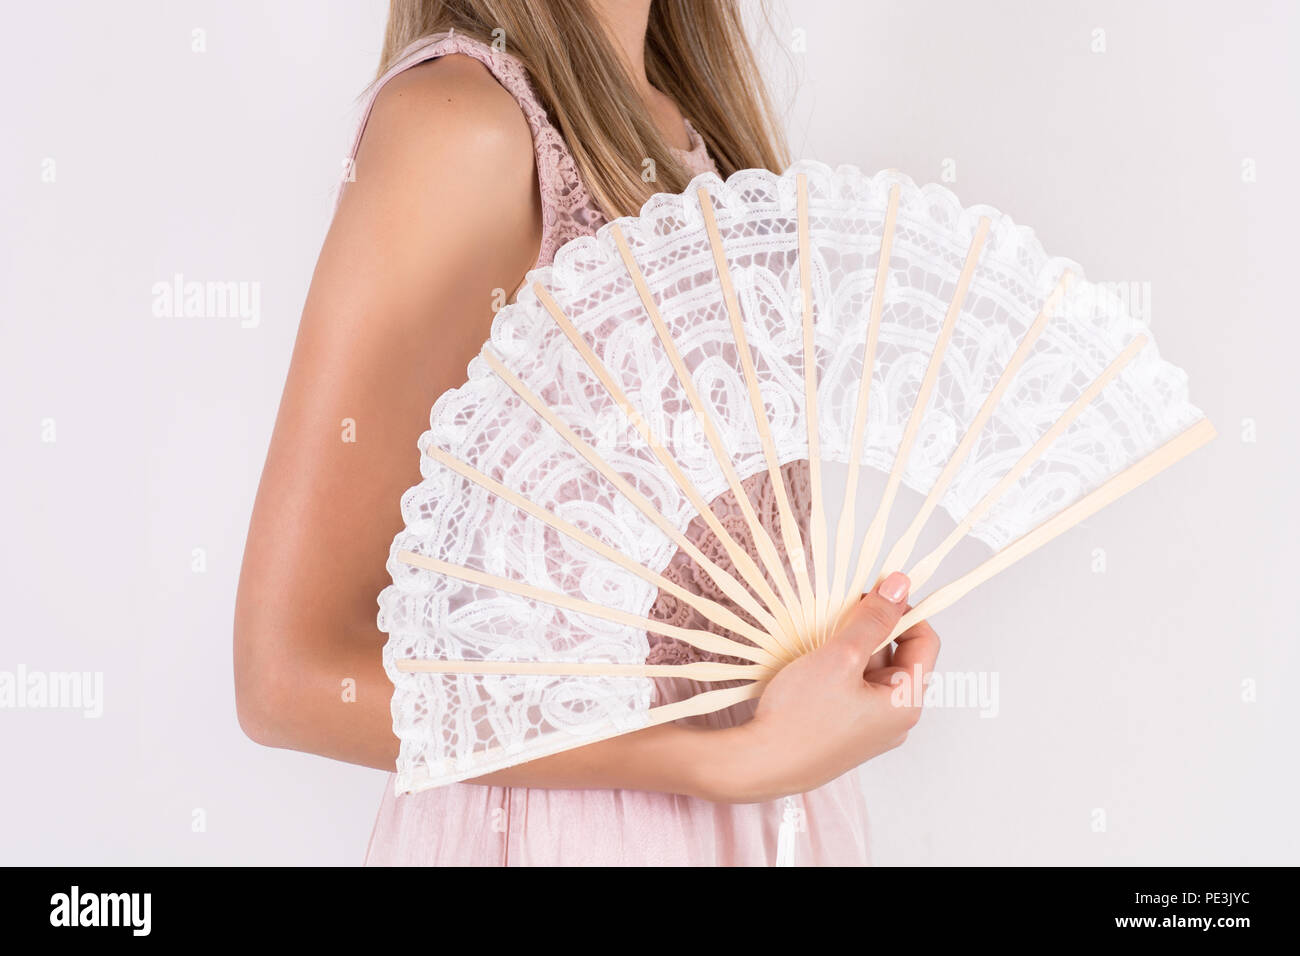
(468, 824)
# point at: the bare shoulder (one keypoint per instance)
(450, 116)
(445, 173)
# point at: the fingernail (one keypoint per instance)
(894, 588)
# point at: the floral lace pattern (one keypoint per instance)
(454, 726)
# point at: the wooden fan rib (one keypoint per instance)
(846, 530)
(738, 555)
(500, 755)
(1132, 477)
(876, 530)
(707, 672)
(902, 549)
(762, 540)
(791, 536)
(817, 520)
(729, 585)
(712, 610)
(926, 567)
(702, 640)
(708, 702)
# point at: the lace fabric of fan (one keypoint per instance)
(458, 725)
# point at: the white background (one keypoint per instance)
(1120, 692)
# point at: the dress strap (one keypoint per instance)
(565, 200)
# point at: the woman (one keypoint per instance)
(496, 131)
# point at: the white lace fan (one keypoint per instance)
(820, 316)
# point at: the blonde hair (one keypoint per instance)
(696, 52)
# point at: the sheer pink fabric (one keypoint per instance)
(470, 825)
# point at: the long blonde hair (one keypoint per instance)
(696, 52)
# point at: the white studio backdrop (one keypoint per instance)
(1137, 702)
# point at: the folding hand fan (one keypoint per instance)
(816, 320)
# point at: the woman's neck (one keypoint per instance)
(627, 21)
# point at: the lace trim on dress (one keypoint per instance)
(695, 158)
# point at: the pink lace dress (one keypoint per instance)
(468, 824)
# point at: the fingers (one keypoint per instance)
(904, 681)
(873, 617)
(917, 647)
(885, 656)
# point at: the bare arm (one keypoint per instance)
(444, 212)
